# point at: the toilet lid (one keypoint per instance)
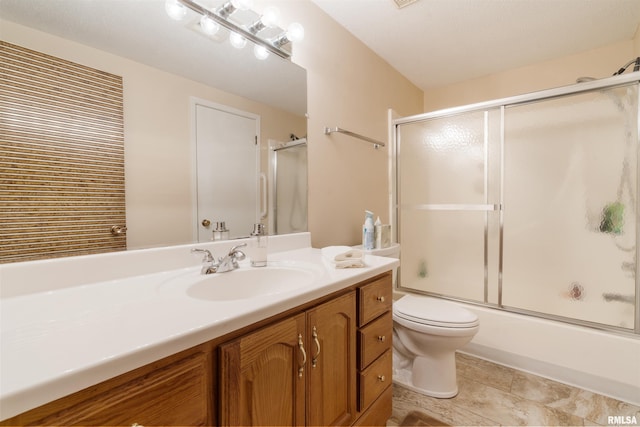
(433, 311)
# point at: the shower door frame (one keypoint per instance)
(272, 208)
(501, 104)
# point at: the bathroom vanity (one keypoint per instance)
(316, 355)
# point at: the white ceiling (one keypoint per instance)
(439, 42)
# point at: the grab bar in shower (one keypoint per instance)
(376, 144)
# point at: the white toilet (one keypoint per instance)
(426, 334)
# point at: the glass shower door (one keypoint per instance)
(570, 185)
(444, 203)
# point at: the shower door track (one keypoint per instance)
(608, 83)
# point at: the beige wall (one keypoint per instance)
(158, 158)
(350, 87)
(602, 62)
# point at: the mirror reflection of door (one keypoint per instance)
(227, 163)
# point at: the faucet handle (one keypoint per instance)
(235, 248)
(237, 255)
(208, 257)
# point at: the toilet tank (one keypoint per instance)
(392, 251)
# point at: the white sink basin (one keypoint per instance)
(243, 283)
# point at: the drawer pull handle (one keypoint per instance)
(381, 299)
(381, 338)
(304, 355)
(136, 425)
(314, 360)
(381, 378)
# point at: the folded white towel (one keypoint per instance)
(351, 263)
(351, 254)
(343, 256)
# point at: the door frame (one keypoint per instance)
(193, 103)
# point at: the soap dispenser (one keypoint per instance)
(258, 246)
(368, 239)
(220, 232)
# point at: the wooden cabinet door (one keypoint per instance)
(261, 383)
(176, 394)
(331, 388)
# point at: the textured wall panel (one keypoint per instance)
(61, 157)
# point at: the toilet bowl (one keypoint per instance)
(427, 333)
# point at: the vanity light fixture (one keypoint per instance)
(239, 33)
(260, 52)
(209, 26)
(268, 19)
(294, 33)
(175, 9)
(237, 40)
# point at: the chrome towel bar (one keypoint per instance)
(376, 144)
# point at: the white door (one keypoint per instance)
(226, 170)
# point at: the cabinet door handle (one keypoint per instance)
(314, 360)
(304, 355)
(381, 338)
(381, 299)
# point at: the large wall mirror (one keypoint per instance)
(165, 66)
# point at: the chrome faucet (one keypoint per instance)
(209, 264)
(230, 262)
(224, 264)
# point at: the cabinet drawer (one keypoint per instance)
(374, 380)
(374, 339)
(379, 412)
(374, 299)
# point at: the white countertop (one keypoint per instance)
(56, 342)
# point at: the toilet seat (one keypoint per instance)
(434, 312)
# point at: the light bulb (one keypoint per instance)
(260, 52)
(237, 40)
(174, 9)
(295, 32)
(270, 16)
(208, 25)
(242, 4)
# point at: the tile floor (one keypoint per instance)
(492, 395)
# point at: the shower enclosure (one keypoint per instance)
(288, 192)
(526, 204)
